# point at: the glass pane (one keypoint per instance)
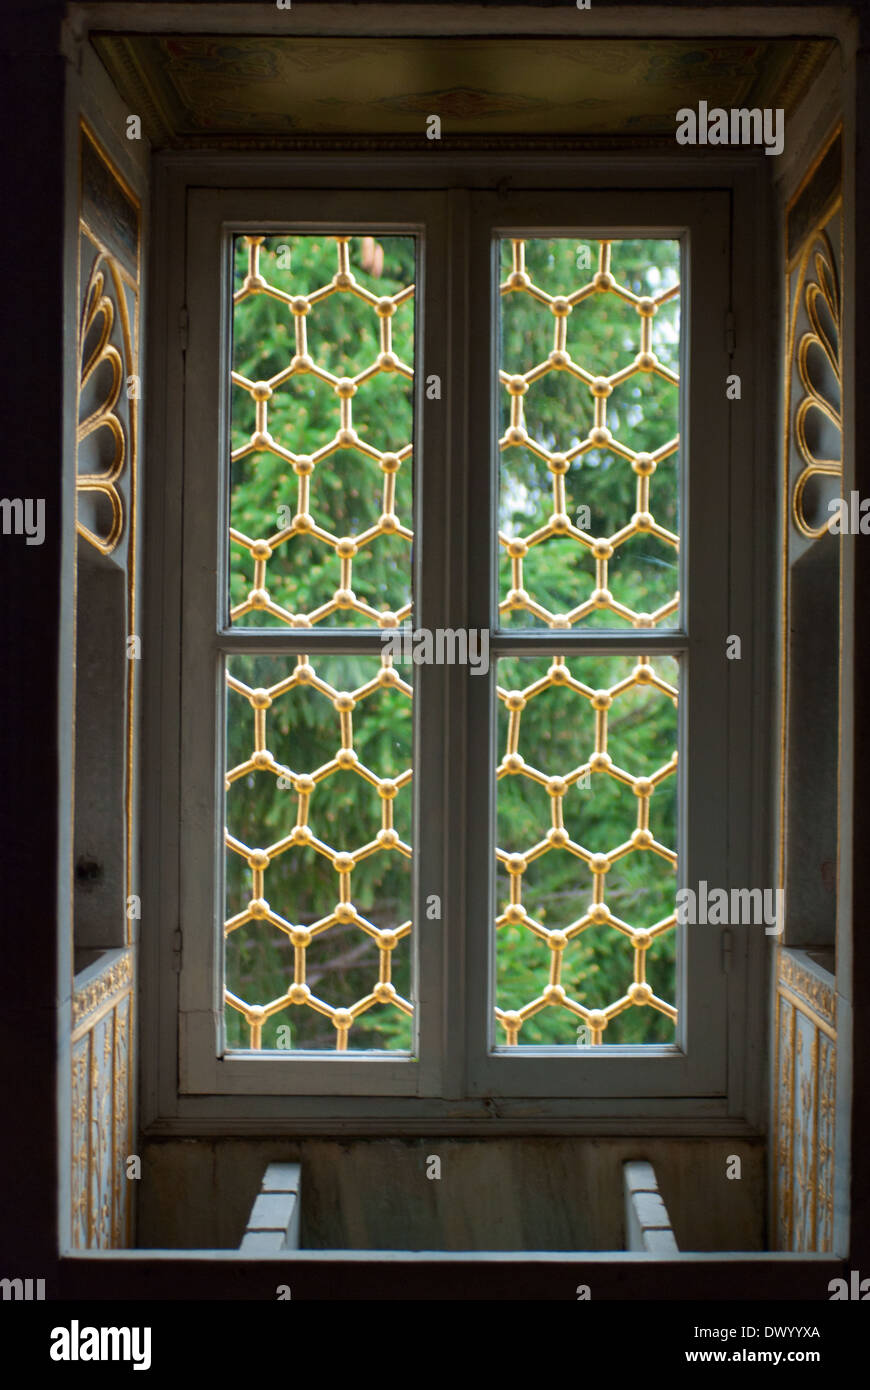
(322, 430)
(586, 822)
(318, 872)
(589, 353)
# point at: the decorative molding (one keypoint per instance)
(117, 54)
(101, 1119)
(796, 74)
(108, 206)
(122, 1125)
(825, 1143)
(784, 1120)
(821, 282)
(108, 349)
(414, 144)
(103, 300)
(818, 995)
(91, 998)
(817, 193)
(80, 1146)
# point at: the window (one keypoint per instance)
(335, 956)
(396, 373)
(592, 399)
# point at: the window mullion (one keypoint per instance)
(438, 921)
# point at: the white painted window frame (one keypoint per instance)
(456, 1079)
(215, 216)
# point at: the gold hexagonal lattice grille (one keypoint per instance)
(591, 393)
(600, 856)
(588, 370)
(317, 952)
(319, 746)
(300, 935)
(331, 404)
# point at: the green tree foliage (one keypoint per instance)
(557, 727)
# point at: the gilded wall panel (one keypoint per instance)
(102, 1135)
(825, 1144)
(80, 1136)
(804, 1155)
(100, 1170)
(804, 1106)
(804, 1076)
(784, 1130)
(121, 1117)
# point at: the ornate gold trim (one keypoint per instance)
(786, 483)
(825, 1142)
(825, 286)
(805, 67)
(803, 1116)
(96, 305)
(827, 212)
(131, 343)
(101, 994)
(117, 54)
(810, 991)
(101, 1074)
(86, 130)
(803, 1008)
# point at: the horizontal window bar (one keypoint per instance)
(290, 640)
(630, 641)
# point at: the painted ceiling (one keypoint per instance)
(196, 89)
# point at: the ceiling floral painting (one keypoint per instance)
(195, 89)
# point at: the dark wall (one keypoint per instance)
(31, 392)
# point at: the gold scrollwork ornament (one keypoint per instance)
(824, 288)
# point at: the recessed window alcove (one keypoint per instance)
(465, 1122)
